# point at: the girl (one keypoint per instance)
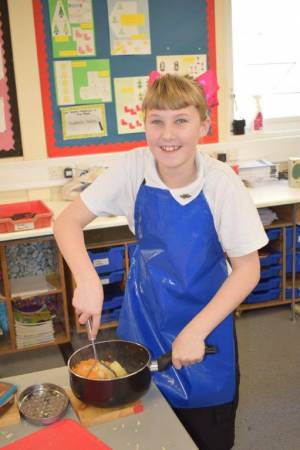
(187, 211)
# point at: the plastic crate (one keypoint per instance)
(273, 233)
(271, 271)
(108, 260)
(273, 258)
(263, 296)
(113, 277)
(289, 262)
(113, 297)
(267, 284)
(288, 292)
(289, 237)
(24, 216)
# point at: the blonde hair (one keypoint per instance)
(175, 92)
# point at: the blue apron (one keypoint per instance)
(177, 267)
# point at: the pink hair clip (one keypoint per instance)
(209, 83)
(153, 76)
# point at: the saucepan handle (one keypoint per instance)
(165, 360)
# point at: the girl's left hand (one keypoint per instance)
(187, 349)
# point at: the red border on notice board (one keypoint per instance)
(53, 149)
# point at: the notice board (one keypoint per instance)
(94, 59)
(10, 135)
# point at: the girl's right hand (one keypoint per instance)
(88, 299)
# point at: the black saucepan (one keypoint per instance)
(135, 359)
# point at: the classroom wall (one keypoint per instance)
(31, 114)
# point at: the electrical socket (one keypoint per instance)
(55, 173)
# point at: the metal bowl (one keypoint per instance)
(43, 404)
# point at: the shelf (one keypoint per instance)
(32, 286)
(5, 345)
(249, 306)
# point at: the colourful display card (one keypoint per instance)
(72, 28)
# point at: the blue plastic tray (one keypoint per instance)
(289, 237)
(267, 284)
(263, 296)
(113, 277)
(288, 292)
(289, 262)
(271, 259)
(273, 233)
(271, 271)
(113, 297)
(110, 315)
(108, 260)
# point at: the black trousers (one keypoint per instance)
(212, 428)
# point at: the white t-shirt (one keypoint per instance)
(236, 219)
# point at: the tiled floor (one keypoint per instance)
(269, 347)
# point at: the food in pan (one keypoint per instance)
(95, 370)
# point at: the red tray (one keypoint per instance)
(24, 216)
(64, 435)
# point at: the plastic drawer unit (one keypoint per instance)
(263, 296)
(108, 260)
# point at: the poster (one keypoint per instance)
(82, 81)
(129, 27)
(193, 65)
(72, 28)
(83, 122)
(129, 94)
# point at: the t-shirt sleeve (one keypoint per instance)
(237, 220)
(114, 191)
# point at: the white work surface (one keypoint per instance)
(155, 428)
(274, 193)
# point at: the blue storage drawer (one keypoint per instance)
(288, 292)
(271, 271)
(289, 237)
(110, 315)
(113, 277)
(273, 233)
(107, 260)
(273, 258)
(263, 296)
(289, 262)
(113, 297)
(267, 284)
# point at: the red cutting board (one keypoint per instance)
(64, 435)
